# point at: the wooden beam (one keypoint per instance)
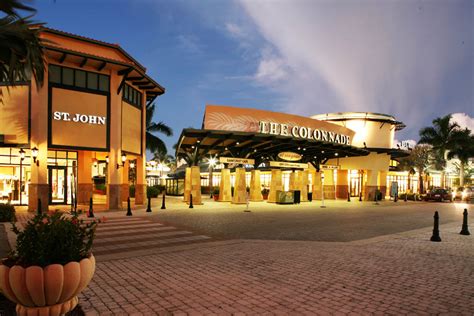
(135, 78)
(124, 73)
(84, 62)
(63, 58)
(101, 66)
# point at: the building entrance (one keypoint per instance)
(57, 180)
(354, 182)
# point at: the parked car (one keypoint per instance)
(468, 194)
(439, 195)
(457, 195)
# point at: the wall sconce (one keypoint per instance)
(124, 158)
(107, 159)
(22, 154)
(34, 154)
(132, 164)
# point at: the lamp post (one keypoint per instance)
(322, 190)
(212, 163)
(22, 157)
(34, 154)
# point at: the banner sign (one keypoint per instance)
(243, 161)
(289, 156)
(329, 167)
(227, 118)
(283, 164)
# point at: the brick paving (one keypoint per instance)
(399, 274)
(120, 237)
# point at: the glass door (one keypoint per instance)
(57, 180)
(354, 183)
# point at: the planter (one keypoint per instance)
(51, 290)
(216, 197)
(265, 196)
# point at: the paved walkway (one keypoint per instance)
(390, 275)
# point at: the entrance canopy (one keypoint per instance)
(263, 135)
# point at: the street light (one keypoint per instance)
(34, 154)
(212, 163)
(22, 157)
(322, 190)
(124, 158)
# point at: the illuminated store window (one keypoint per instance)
(78, 78)
(132, 96)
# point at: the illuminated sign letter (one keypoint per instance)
(101, 120)
(325, 136)
(303, 132)
(93, 119)
(331, 137)
(294, 131)
(263, 127)
(274, 128)
(317, 134)
(284, 130)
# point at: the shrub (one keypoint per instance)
(152, 192)
(52, 238)
(216, 191)
(7, 213)
(131, 191)
(265, 191)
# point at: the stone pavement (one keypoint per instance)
(398, 274)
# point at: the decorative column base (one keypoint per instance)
(369, 192)
(84, 192)
(114, 201)
(58, 309)
(329, 192)
(38, 191)
(140, 190)
(341, 191)
(124, 192)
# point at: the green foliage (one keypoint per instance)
(7, 213)
(216, 191)
(101, 187)
(131, 191)
(154, 191)
(53, 238)
(410, 196)
(154, 143)
(265, 191)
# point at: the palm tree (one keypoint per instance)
(463, 150)
(442, 137)
(21, 54)
(154, 143)
(418, 160)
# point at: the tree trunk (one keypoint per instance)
(420, 183)
(461, 174)
(443, 179)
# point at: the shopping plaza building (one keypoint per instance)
(82, 131)
(255, 153)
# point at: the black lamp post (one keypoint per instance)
(22, 157)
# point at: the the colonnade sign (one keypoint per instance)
(284, 164)
(273, 123)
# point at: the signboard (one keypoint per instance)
(283, 164)
(329, 167)
(393, 188)
(14, 114)
(243, 161)
(229, 118)
(78, 119)
(289, 156)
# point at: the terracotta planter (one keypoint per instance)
(265, 196)
(216, 197)
(51, 290)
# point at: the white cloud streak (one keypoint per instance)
(393, 57)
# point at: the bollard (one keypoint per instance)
(395, 198)
(360, 196)
(375, 198)
(91, 210)
(348, 197)
(191, 201)
(406, 197)
(163, 203)
(148, 208)
(465, 228)
(435, 236)
(39, 211)
(129, 209)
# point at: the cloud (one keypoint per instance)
(235, 30)
(409, 59)
(463, 120)
(189, 43)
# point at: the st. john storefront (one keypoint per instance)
(333, 156)
(82, 132)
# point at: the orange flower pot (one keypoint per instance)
(51, 290)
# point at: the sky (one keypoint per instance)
(410, 59)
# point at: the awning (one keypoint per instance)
(201, 143)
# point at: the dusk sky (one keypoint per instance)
(410, 59)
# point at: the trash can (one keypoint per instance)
(297, 196)
(310, 196)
